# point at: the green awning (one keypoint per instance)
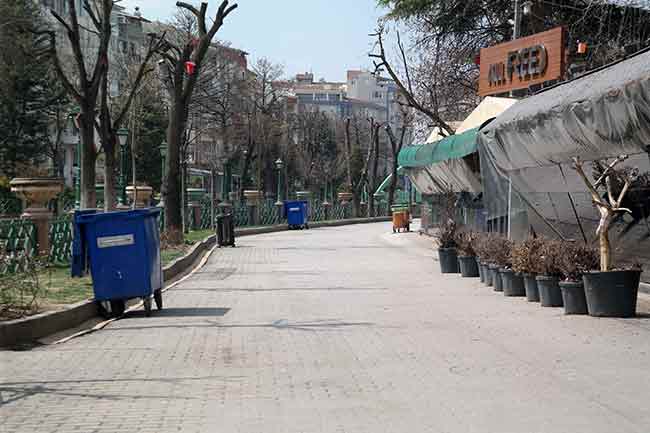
(386, 182)
(452, 147)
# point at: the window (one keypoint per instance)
(334, 97)
(320, 96)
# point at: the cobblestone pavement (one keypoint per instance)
(347, 329)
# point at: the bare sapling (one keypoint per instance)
(609, 207)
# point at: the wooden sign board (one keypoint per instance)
(523, 62)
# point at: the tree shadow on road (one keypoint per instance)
(182, 312)
(12, 392)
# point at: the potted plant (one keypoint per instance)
(487, 252)
(478, 249)
(547, 268)
(465, 242)
(524, 257)
(446, 239)
(609, 292)
(499, 252)
(513, 279)
(575, 259)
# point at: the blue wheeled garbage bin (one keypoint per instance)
(123, 251)
(297, 213)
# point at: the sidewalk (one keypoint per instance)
(348, 329)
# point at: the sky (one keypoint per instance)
(326, 37)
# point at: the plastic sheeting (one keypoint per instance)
(526, 153)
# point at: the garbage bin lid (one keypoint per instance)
(130, 214)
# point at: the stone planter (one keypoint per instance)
(345, 197)
(36, 193)
(303, 195)
(142, 194)
(195, 194)
(253, 196)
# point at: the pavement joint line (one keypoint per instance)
(107, 322)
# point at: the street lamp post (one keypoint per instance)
(77, 178)
(279, 165)
(122, 136)
(163, 158)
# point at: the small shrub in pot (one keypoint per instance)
(611, 292)
(466, 242)
(482, 250)
(447, 253)
(575, 258)
(499, 253)
(524, 257)
(547, 268)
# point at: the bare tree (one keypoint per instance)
(396, 144)
(428, 100)
(608, 208)
(85, 83)
(183, 61)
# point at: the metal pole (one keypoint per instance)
(77, 179)
(212, 200)
(517, 26)
(279, 201)
(509, 216)
(122, 197)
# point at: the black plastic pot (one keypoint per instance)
(448, 260)
(513, 283)
(487, 274)
(573, 297)
(480, 269)
(497, 282)
(612, 294)
(468, 268)
(530, 284)
(550, 294)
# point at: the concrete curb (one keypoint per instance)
(29, 329)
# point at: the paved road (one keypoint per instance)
(346, 329)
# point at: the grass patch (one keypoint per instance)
(197, 236)
(168, 255)
(61, 288)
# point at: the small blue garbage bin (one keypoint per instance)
(123, 250)
(297, 213)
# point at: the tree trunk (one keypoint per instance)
(173, 199)
(110, 174)
(603, 241)
(393, 183)
(88, 158)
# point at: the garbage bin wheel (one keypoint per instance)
(307, 226)
(117, 307)
(147, 306)
(104, 309)
(157, 296)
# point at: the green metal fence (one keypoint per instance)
(17, 241)
(61, 240)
